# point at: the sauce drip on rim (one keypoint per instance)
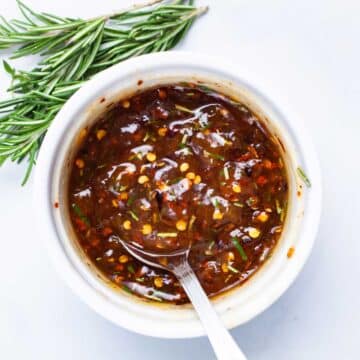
(172, 167)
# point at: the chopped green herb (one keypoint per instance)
(239, 248)
(282, 215)
(146, 137)
(303, 176)
(80, 214)
(133, 215)
(153, 297)
(214, 156)
(278, 207)
(126, 288)
(238, 204)
(191, 222)
(183, 108)
(167, 234)
(140, 279)
(226, 173)
(184, 138)
(232, 269)
(216, 203)
(175, 180)
(131, 269)
(251, 201)
(130, 200)
(208, 251)
(205, 89)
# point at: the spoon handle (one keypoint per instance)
(222, 342)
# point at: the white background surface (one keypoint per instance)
(305, 55)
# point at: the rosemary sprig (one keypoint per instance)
(72, 51)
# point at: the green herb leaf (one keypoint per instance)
(214, 156)
(183, 109)
(232, 269)
(238, 204)
(126, 288)
(8, 68)
(303, 176)
(73, 51)
(239, 248)
(80, 214)
(167, 234)
(133, 215)
(131, 269)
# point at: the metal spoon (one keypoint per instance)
(222, 342)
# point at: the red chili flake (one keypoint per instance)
(162, 94)
(261, 180)
(107, 231)
(119, 267)
(95, 242)
(80, 224)
(56, 205)
(140, 82)
(290, 252)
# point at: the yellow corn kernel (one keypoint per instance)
(150, 156)
(197, 179)
(126, 104)
(162, 186)
(254, 232)
(100, 134)
(123, 259)
(158, 282)
(225, 268)
(217, 215)
(184, 167)
(114, 203)
(263, 216)
(181, 225)
(143, 179)
(82, 134)
(127, 224)
(190, 176)
(230, 256)
(146, 229)
(123, 195)
(80, 163)
(236, 188)
(162, 131)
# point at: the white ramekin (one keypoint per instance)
(170, 321)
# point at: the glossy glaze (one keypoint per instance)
(173, 167)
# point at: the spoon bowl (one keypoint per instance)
(165, 261)
(222, 342)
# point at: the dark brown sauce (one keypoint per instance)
(175, 164)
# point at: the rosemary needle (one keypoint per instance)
(72, 51)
